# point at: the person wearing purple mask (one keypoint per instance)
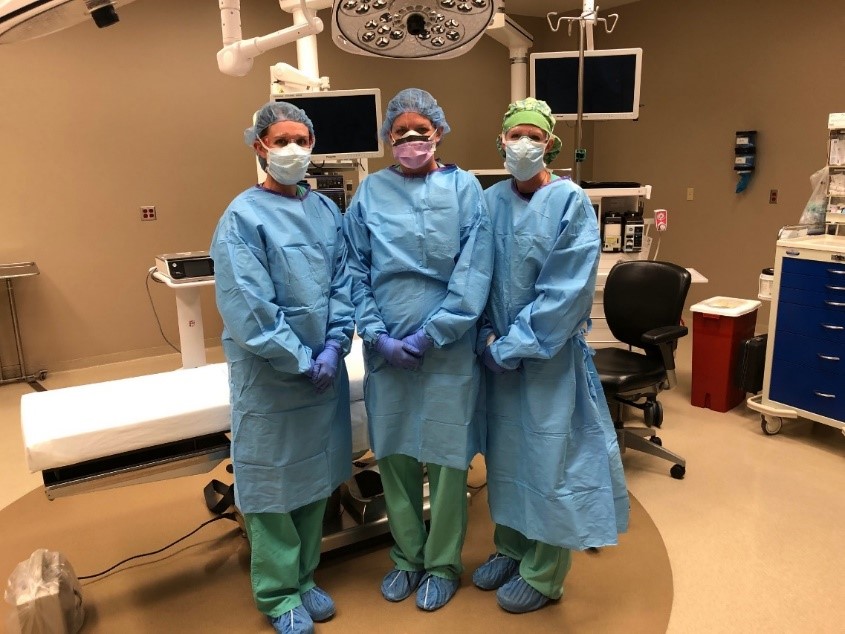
(421, 258)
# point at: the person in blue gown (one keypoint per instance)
(420, 255)
(555, 480)
(283, 291)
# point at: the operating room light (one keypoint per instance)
(408, 29)
(24, 20)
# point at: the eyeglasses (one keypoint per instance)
(282, 141)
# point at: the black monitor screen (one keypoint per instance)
(611, 84)
(345, 126)
(488, 180)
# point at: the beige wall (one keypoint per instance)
(97, 123)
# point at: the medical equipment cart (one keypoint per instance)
(805, 360)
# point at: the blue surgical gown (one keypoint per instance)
(420, 255)
(283, 289)
(553, 465)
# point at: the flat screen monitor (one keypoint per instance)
(491, 177)
(611, 83)
(346, 122)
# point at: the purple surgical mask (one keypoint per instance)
(414, 154)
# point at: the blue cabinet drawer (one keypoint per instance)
(811, 391)
(816, 323)
(806, 282)
(831, 271)
(821, 295)
(816, 355)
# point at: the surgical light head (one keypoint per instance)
(24, 20)
(414, 100)
(411, 29)
(273, 112)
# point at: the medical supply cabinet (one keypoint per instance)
(805, 359)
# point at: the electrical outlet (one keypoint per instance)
(148, 212)
(773, 197)
(690, 193)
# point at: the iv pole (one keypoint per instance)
(586, 21)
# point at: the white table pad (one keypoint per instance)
(71, 425)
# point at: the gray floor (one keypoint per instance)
(754, 531)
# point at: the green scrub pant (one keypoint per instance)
(285, 551)
(437, 551)
(543, 567)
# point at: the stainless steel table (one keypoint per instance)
(9, 273)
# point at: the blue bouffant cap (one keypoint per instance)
(413, 100)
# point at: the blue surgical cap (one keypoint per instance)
(413, 100)
(273, 112)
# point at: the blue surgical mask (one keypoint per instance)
(287, 165)
(524, 158)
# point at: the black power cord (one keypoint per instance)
(155, 314)
(222, 516)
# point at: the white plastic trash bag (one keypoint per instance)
(45, 596)
(816, 208)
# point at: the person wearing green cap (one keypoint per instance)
(554, 472)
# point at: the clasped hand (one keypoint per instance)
(490, 362)
(401, 353)
(324, 367)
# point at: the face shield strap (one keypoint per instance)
(411, 136)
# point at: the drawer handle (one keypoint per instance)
(836, 271)
(836, 304)
(823, 395)
(793, 252)
(832, 327)
(834, 288)
(827, 357)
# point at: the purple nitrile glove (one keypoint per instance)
(391, 349)
(417, 343)
(490, 362)
(326, 364)
(312, 369)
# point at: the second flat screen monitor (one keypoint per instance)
(611, 83)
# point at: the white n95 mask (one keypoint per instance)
(287, 165)
(524, 158)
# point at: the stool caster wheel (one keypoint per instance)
(653, 414)
(678, 471)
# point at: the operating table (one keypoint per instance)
(145, 428)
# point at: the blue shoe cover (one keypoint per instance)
(318, 603)
(434, 592)
(517, 596)
(294, 621)
(495, 572)
(399, 584)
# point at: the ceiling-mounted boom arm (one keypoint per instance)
(237, 55)
(517, 40)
